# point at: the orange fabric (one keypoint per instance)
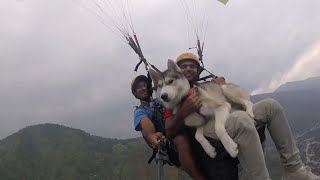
(167, 113)
(191, 91)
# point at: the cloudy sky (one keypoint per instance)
(60, 64)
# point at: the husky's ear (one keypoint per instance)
(172, 65)
(155, 76)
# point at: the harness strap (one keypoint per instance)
(137, 66)
(205, 78)
(153, 156)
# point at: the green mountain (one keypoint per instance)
(55, 152)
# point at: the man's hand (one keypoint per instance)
(155, 137)
(190, 105)
(219, 80)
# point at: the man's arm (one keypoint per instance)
(143, 123)
(174, 123)
(149, 131)
(191, 104)
(219, 80)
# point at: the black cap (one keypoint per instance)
(138, 79)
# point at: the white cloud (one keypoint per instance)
(306, 66)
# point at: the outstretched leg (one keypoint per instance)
(270, 112)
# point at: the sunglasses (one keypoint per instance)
(191, 66)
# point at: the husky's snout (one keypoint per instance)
(165, 97)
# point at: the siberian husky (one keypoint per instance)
(171, 87)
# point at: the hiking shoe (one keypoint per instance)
(301, 174)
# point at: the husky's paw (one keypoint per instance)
(251, 114)
(249, 108)
(211, 151)
(232, 149)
